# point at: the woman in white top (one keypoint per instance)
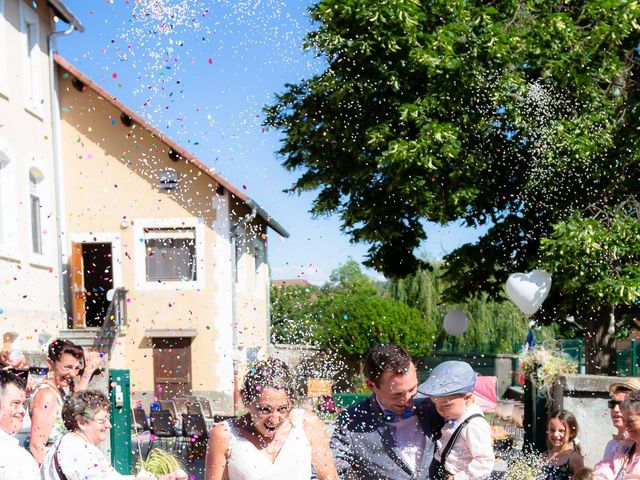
(76, 455)
(271, 440)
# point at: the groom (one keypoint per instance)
(390, 435)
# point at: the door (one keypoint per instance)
(97, 265)
(77, 286)
(91, 279)
(172, 367)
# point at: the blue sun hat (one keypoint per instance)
(449, 378)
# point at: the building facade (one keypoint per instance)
(146, 217)
(30, 298)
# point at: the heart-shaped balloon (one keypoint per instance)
(455, 322)
(529, 290)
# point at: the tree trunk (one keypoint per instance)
(600, 345)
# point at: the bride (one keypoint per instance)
(272, 440)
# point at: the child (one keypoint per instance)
(465, 449)
(563, 453)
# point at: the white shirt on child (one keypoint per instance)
(471, 457)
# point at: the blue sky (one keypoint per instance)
(201, 70)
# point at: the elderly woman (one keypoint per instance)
(76, 455)
(65, 361)
(625, 461)
(272, 440)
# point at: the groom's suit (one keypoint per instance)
(364, 448)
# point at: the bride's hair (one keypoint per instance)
(272, 373)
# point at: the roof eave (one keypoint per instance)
(267, 218)
(181, 151)
(66, 14)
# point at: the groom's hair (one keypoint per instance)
(386, 357)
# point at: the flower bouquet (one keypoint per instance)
(543, 366)
(160, 462)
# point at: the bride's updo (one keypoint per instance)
(271, 373)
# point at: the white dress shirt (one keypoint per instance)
(15, 461)
(410, 440)
(79, 460)
(471, 457)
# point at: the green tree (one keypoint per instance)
(510, 114)
(347, 315)
(292, 319)
(351, 322)
(494, 326)
(595, 260)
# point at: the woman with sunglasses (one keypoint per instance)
(619, 391)
(272, 440)
(624, 463)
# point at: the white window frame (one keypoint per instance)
(116, 250)
(141, 282)
(260, 267)
(4, 52)
(30, 52)
(40, 190)
(8, 204)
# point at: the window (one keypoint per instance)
(8, 205)
(171, 254)
(30, 30)
(4, 200)
(4, 54)
(260, 267)
(35, 179)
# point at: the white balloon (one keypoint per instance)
(529, 290)
(455, 322)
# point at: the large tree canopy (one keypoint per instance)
(511, 114)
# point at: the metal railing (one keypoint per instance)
(114, 320)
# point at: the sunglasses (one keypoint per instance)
(613, 403)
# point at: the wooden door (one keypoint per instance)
(78, 301)
(172, 367)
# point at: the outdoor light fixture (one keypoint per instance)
(175, 156)
(78, 85)
(126, 119)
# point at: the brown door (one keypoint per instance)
(172, 367)
(77, 286)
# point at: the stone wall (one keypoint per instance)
(586, 397)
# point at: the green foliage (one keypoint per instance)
(510, 114)
(351, 312)
(348, 315)
(595, 259)
(292, 319)
(494, 327)
(352, 322)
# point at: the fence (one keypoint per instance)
(482, 348)
(575, 349)
(626, 358)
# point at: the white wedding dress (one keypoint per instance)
(246, 462)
